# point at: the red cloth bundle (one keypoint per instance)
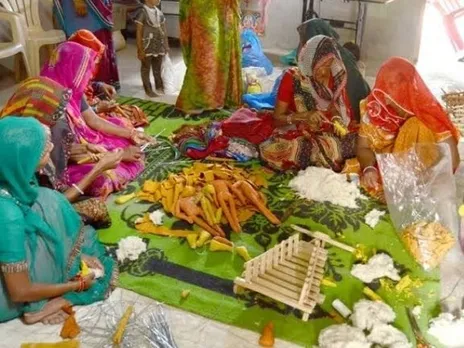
(248, 125)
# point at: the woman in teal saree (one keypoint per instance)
(43, 238)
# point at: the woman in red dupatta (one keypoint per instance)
(399, 113)
(106, 108)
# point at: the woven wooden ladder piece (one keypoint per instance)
(454, 103)
(291, 273)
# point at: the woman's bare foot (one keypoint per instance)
(151, 94)
(55, 318)
(52, 307)
(132, 154)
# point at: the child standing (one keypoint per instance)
(152, 44)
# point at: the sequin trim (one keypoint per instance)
(76, 250)
(14, 267)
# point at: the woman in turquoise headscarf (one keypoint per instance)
(43, 239)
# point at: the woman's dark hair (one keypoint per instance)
(354, 49)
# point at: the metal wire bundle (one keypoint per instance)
(147, 328)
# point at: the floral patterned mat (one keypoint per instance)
(169, 266)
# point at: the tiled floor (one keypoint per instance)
(191, 330)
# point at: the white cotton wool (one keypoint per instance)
(323, 185)
(379, 266)
(97, 272)
(130, 248)
(448, 330)
(388, 336)
(367, 314)
(343, 336)
(373, 217)
(157, 217)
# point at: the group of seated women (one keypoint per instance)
(326, 116)
(60, 160)
(61, 157)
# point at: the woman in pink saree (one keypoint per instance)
(73, 66)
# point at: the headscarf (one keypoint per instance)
(22, 145)
(315, 27)
(86, 38)
(313, 55)
(357, 88)
(73, 66)
(399, 81)
(38, 97)
(46, 101)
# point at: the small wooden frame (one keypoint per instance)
(454, 103)
(291, 272)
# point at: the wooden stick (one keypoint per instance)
(119, 333)
(325, 238)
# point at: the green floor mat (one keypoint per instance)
(169, 266)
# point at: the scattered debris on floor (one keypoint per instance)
(371, 326)
(379, 266)
(157, 217)
(448, 330)
(267, 336)
(323, 185)
(130, 248)
(373, 217)
(367, 314)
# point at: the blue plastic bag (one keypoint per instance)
(252, 52)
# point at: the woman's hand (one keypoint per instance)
(92, 148)
(371, 178)
(109, 90)
(132, 154)
(105, 106)
(88, 281)
(92, 262)
(110, 160)
(140, 138)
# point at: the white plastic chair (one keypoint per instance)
(18, 44)
(36, 35)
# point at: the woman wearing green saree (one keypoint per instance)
(210, 39)
(43, 238)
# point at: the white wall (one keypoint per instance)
(391, 29)
(283, 18)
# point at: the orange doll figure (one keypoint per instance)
(225, 199)
(245, 191)
(186, 209)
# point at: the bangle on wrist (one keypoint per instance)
(78, 189)
(369, 168)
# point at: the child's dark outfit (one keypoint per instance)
(154, 47)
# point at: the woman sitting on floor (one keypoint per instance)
(357, 88)
(73, 66)
(46, 101)
(314, 108)
(43, 238)
(399, 113)
(107, 108)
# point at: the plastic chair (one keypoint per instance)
(36, 36)
(18, 45)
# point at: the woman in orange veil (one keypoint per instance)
(106, 107)
(399, 113)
